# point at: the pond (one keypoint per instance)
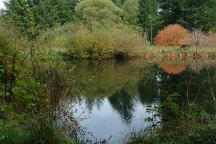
(116, 98)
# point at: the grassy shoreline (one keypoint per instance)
(154, 53)
(151, 52)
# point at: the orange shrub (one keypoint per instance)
(173, 35)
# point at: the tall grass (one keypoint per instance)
(203, 40)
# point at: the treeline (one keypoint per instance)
(33, 16)
(191, 14)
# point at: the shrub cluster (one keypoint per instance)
(173, 35)
(80, 41)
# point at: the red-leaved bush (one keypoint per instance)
(173, 35)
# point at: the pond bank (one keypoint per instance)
(155, 52)
(152, 53)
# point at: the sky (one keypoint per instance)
(1, 4)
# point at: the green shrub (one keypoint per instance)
(80, 41)
(38, 129)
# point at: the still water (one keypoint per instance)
(114, 99)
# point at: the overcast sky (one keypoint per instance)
(1, 4)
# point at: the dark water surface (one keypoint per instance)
(114, 99)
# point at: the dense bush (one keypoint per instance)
(172, 35)
(80, 41)
(26, 92)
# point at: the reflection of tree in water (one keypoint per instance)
(103, 78)
(91, 102)
(196, 84)
(199, 65)
(147, 86)
(172, 68)
(193, 88)
(203, 89)
(123, 104)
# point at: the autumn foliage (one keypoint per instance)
(173, 35)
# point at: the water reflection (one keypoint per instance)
(116, 96)
(122, 102)
(172, 68)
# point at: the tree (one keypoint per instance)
(118, 2)
(40, 14)
(172, 11)
(200, 14)
(189, 13)
(99, 11)
(131, 12)
(148, 16)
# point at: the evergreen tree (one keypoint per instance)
(189, 13)
(201, 14)
(44, 14)
(148, 16)
(172, 11)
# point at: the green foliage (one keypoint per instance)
(25, 113)
(30, 17)
(131, 12)
(118, 2)
(106, 28)
(82, 42)
(171, 103)
(34, 129)
(148, 16)
(191, 13)
(99, 11)
(156, 14)
(199, 134)
(23, 91)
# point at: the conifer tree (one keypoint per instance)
(148, 16)
(44, 13)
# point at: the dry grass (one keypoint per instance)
(202, 40)
(171, 53)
